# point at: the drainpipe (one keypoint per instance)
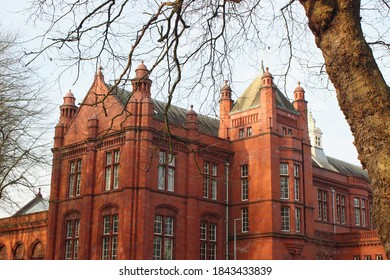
(227, 212)
(333, 210)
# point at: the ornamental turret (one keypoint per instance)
(225, 106)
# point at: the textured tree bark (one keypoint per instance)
(363, 95)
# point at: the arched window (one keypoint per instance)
(208, 236)
(72, 234)
(38, 252)
(164, 233)
(109, 233)
(19, 252)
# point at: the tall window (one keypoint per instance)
(296, 182)
(112, 170)
(340, 209)
(210, 185)
(284, 186)
(244, 182)
(356, 204)
(285, 218)
(163, 238)
(360, 206)
(208, 241)
(110, 237)
(249, 131)
(75, 178)
(72, 239)
(322, 197)
(241, 133)
(166, 171)
(297, 219)
(363, 208)
(244, 220)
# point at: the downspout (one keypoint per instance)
(304, 187)
(333, 212)
(227, 212)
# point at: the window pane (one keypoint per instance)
(108, 159)
(244, 170)
(76, 249)
(168, 248)
(158, 224)
(69, 229)
(203, 231)
(203, 250)
(114, 247)
(283, 169)
(105, 248)
(106, 225)
(115, 222)
(284, 188)
(296, 189)
(214, 170)
(169, 226)
(171, 160)
(171, 179)
(157, 248)
(245, 219)
(77, 228)
(72, 167)
(214, 189)
(116, 177)
(108, 178)
(285, 218)
(296, 170)
(298, 220)
(68, 250)
(116, 156)
(213, 232)
(206, 181)
(161, 177)
(71, 184)
(244, 189)
(79, 165)
(78, 184)
(212, 251)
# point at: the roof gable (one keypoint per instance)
(250, 98)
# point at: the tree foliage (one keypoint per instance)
(198, 41)
(22, 154)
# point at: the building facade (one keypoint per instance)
(134, 178)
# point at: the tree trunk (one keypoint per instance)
(363, 95)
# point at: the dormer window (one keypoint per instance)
(317, 140)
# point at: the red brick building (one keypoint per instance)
(135, 179)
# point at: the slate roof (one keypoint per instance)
(250, 98)
(37, 204)
(176, 115)
(348, 169)
(339, 166)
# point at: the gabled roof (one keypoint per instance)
(37, 204)
(250, 98)
(176, 115)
